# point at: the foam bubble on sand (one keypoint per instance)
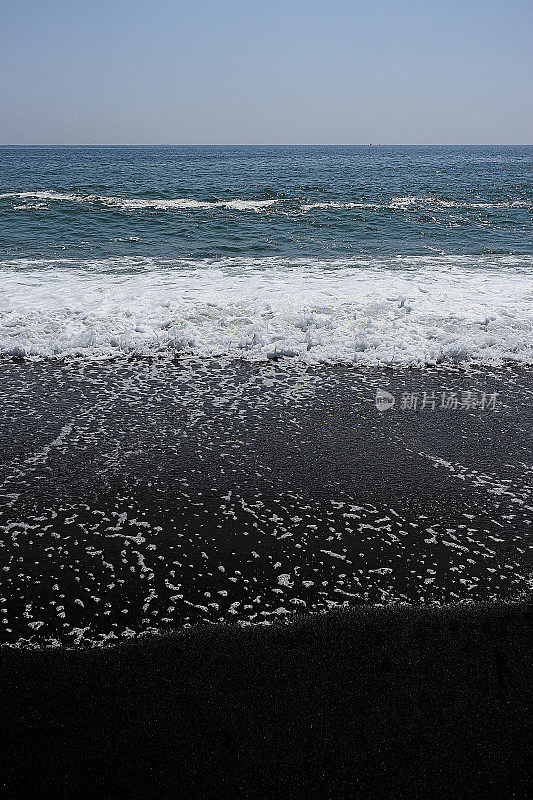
(397, 312)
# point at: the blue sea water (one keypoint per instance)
(96, 202)
(373, 254)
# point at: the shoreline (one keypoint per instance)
(151, 636)
(152, 496)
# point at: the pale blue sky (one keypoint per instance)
(266, 71)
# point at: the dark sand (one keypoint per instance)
(370, 703)
(142, 497)
(145, 496)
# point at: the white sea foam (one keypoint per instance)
(312, 206)
(186, 204)
(410, 202)
(398, 311)
(40, 199)
(178, 203)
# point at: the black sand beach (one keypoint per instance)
(360, 703)
(145, 496)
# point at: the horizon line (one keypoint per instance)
(268, 144)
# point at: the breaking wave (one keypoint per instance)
(40, 199)
(405, 311)
(177, 204)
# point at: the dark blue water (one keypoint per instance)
(76, 202)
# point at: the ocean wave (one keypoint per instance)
(178, 203)
(40, 199)
(413, 202)
(396, 312)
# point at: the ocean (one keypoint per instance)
(372, 255)
(242, 383)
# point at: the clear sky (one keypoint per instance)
(266, 71)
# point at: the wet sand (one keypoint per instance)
(157, 499)
(145, 496)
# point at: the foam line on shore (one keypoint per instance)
(386, 312)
